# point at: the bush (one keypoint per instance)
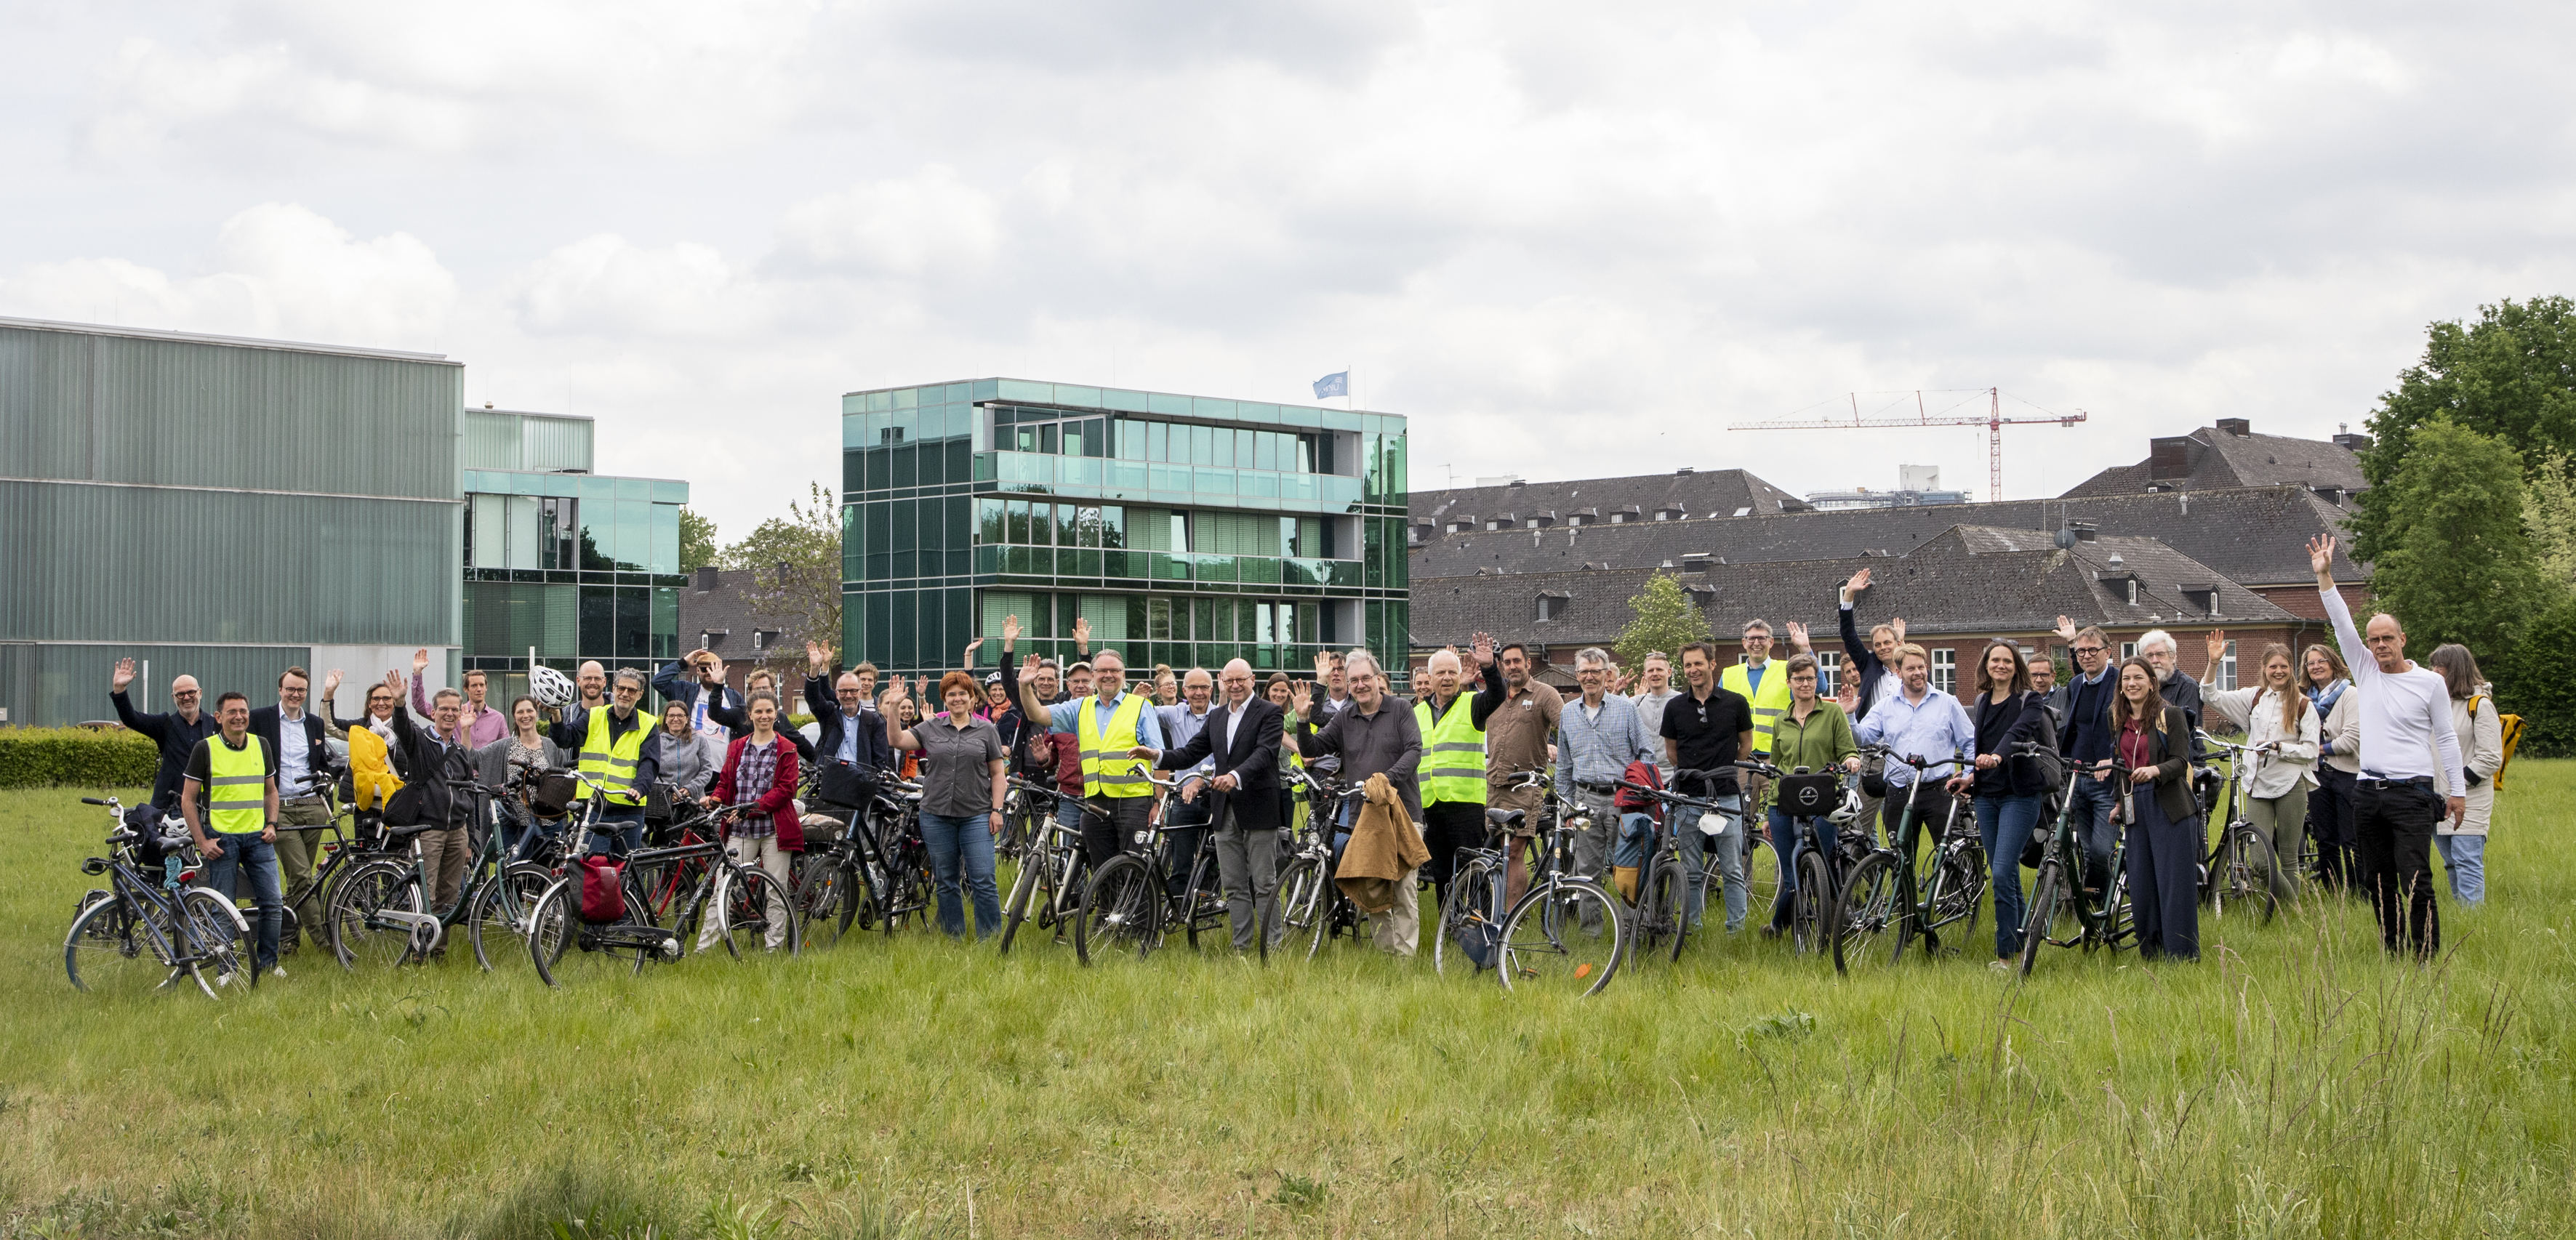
(2531, 681)
(81, 757)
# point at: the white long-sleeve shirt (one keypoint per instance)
(2259, 712)
(2405, 716)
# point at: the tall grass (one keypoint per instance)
(2296, 1082)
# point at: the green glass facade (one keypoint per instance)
(1187, 530)
(575, 565)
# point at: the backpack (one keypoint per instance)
(603, 894)
(2510, 726)
(1643, 773)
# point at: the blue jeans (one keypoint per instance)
(626, 822)
(963, 842)
(1729, 850)
(1789, 843)
(2092, 800)
(520, 830)
(2465, 857)
(2004, 824)
(254, 859)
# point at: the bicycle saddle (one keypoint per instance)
(1505, 818)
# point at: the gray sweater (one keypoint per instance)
(492, 762)
(1387, 743)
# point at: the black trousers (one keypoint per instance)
(1447, 827)
(1189, 823)
(1103, 840)
(2331, 814)
(2163, 862)
(2393, 840)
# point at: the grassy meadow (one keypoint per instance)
(2293, 1083)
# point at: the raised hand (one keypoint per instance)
(394, 681)
(1798, 638)
(1483, 645)
(1895, 622)
(1082, 634)
(330, 683)
(971, 648)
(419, 661)
(123, 676)
(1010, 632)
(1859, 582)
(2321, 551)
(1323, 666)
(892, 699)
(1848, 697)
(2216, 644)
(816, 659)
(1301, 694)
(2066, 630)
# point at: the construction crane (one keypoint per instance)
(1992, 419)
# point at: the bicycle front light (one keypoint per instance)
(94, 865)
(1144, 836)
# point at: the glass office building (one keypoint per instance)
(560, 560)
(1187, 530)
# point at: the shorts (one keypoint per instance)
(1532, 802)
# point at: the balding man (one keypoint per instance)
(1110, 725)
(1187, 811)
(1237, 747)
(2410, 768)
(852, 733)
(1452, 723)
(592, 681)
(177, 734)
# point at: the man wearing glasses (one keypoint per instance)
(177, 733)
(2085, 736)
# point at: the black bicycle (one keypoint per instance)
(1048, 885)
(1129, 908)
(146, 931)
(2063, 911)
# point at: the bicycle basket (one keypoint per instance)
(1809, 796)
(553, 795)
(840, 784)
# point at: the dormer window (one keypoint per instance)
(1670, 513)
(1552, 604)
(1462, 525)
(2204, 597)
(1496, 524)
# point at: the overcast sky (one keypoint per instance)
(1567, 240)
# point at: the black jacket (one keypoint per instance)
(2000, 726)
(439, 770)
(1859, 660)
(177, 739)
(873, 750)
(264, 724)
(2173, 768)
(1253, 760)
(736, 719)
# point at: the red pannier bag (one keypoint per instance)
(603, 890)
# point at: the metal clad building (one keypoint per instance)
(220, 507)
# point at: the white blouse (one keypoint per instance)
(2258, 712)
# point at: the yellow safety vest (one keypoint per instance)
(1768, 705)
(612, 764)
(1454, 771)
(236, 786)
(1107, 771)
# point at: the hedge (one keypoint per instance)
(80, 757)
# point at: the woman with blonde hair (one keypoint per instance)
(2282, 728)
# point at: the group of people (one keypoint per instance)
(2382, 760)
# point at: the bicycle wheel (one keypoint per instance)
(1658, 915)
(1544, 946)
(1203, 907)
(1874, 919)
(359, 936)
(2244, 885)
(1461, 914)
(753, 905)
(1121, 912)
(214, 931)
(825, 898)
(123, 949)
(567, 950)
(2117, 926)
(1958, 892)
(1761, 869)
(1027, 891)
(503, 911)
(2039, 926)
(1810, 909)
(1300, 899)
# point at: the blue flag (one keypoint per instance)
(1333, 385)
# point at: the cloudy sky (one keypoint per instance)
(1565, 240)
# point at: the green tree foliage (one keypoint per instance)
(2510, 375)
(2549, 517)
(794, 566)
(2453, 561)
(698, 546)
(1661, 618)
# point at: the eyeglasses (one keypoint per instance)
(2090, 649)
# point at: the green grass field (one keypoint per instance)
(2294, 1083)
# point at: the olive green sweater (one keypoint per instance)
(1819, 744)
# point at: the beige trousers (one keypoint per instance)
(765, 853)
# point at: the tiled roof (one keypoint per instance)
(2215, 458)
(2252, 535)
(1699, 493)
(1965, 580)
(722, 608)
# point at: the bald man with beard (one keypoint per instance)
(176, 734)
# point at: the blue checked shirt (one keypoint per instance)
(1936, 727)
(1597, 750)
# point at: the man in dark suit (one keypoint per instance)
(851, 730)
(176, 734)
(303, 767)
(1242, 733)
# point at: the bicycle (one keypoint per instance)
(1307, 902)
(2062, 914)
(380, 913)
(746, 900)
(2237, 873)
(1662, 905)
(1472, 912)
(142, 934)
(1759, 892)
(1544, 943)
(1880, 902)
(1128, 905)
(1048, 866)
(1841, 840)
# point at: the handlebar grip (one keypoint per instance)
(92, 801)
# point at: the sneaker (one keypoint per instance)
(2000, 966)
(277, 970)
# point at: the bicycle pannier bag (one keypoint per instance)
(1476, 938)
(1642, 773)
(1810, 796)
(403, 808)
(603, 896)
(2048, 764)
(840, 784)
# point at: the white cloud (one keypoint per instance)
(604, 285)
(926, 223)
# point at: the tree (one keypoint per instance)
(2549, 517)
(794, 563)
(2510, 375)
(2453, 560)
(697, 541)
(1663, 618)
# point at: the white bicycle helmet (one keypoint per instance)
(551, 688)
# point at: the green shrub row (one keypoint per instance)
(79, 757)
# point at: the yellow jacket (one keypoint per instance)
(370, 769)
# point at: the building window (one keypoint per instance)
(2128, 651)
(1551, 606)
(1945, 670)
(2225, 672)
(1829, 672)
(1621, 518)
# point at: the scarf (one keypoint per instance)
(2325, 698)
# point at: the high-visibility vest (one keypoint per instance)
(236, 786)
(1107, 771)
(1768, 705)
(1454, 769)
(612, 763)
